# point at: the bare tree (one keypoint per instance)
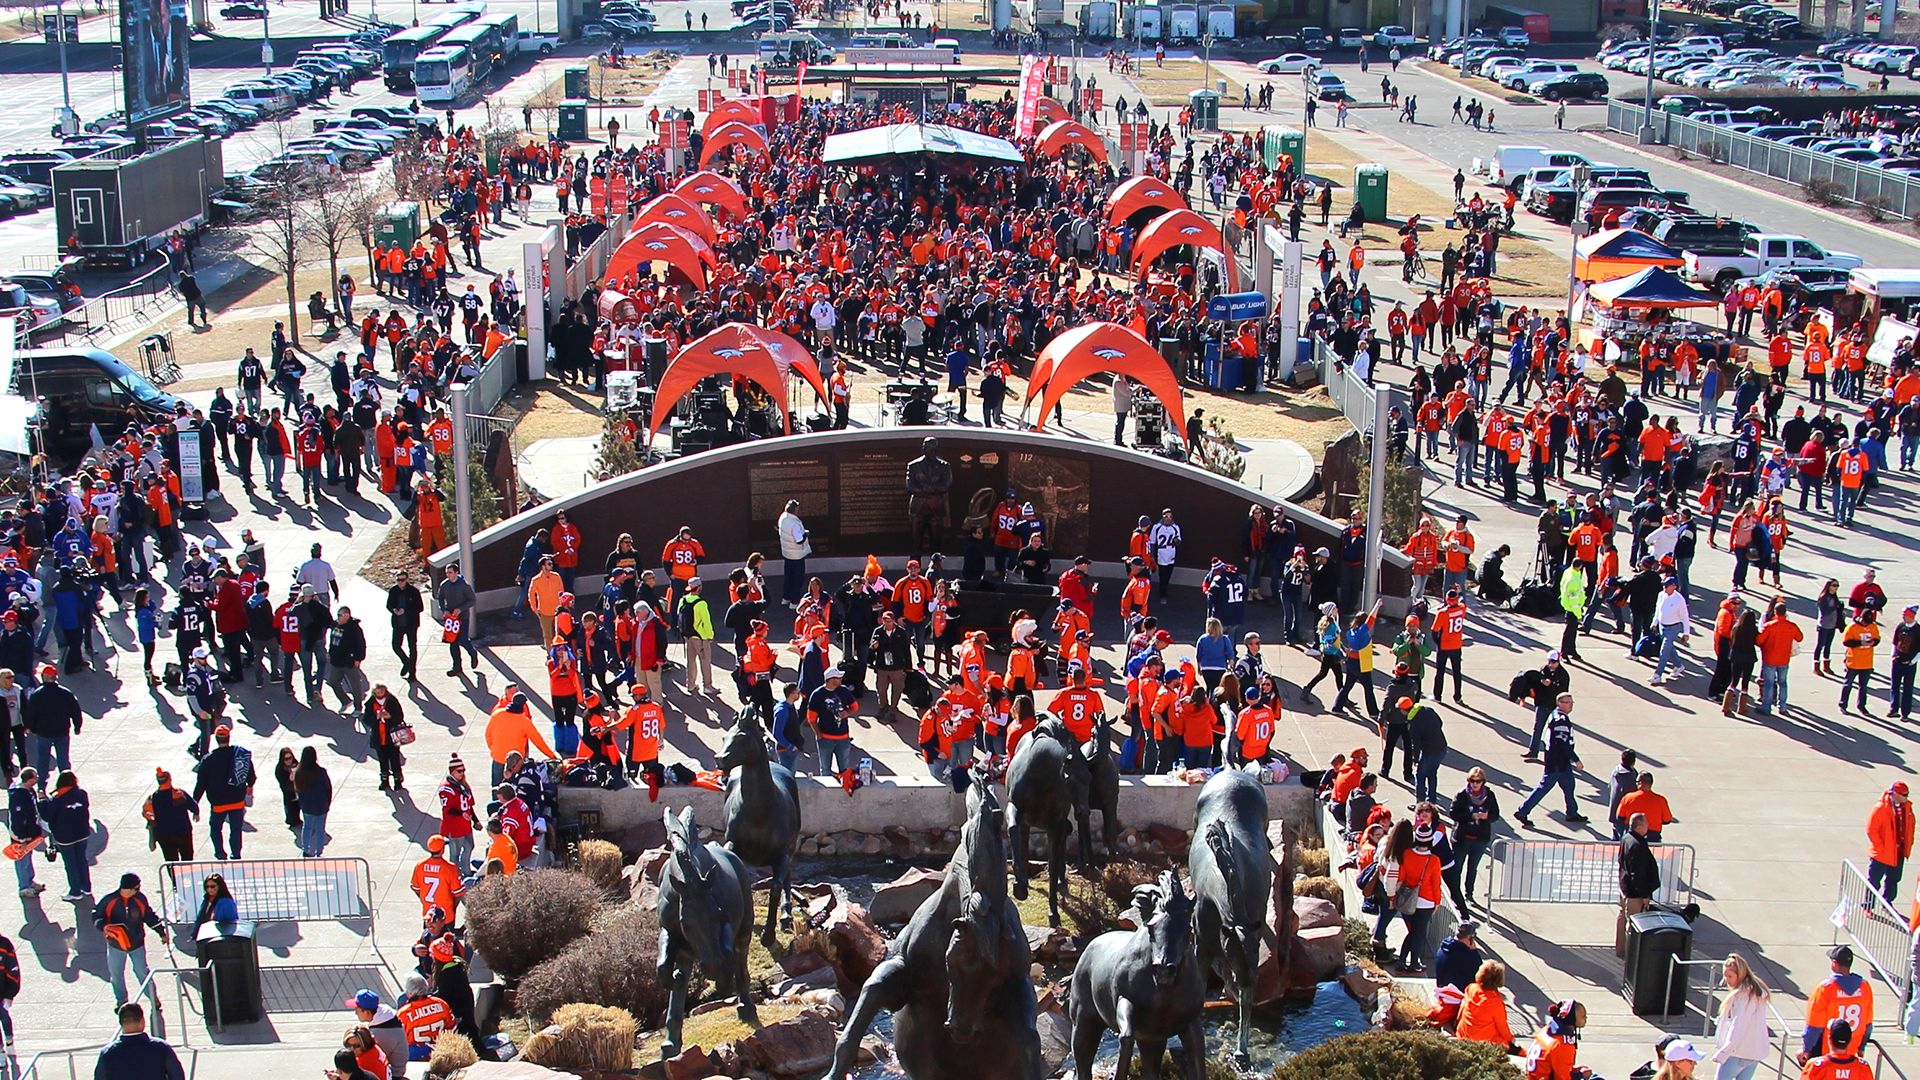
(334, 214)
(275, 241)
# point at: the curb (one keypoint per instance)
(1427, 69)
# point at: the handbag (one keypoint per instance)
(403, 736)
(1406, 900)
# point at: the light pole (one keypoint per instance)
(1206, 60)
(1580, 176)
(69, 120)
(1647, 135)
(266, 37)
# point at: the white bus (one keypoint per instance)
(442, 75)
(481, 44)
(509, 28)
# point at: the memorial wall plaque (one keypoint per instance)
(771, 483)
(871, 493)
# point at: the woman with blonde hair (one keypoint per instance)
(1483, 1011)
(1742, 1027)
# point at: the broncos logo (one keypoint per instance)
(1105, 353)
(656, 245)
(730, 353)
(1192, 230)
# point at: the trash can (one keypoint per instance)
(1654, 940)
(231, 990)
(574, 81)
(1284, 140)
(397, 223)
(573, 121)
(1370, 190)
(1206, 110)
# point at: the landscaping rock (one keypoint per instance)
(716, 1005)
(1312, 913)
(897, 900)
(898, 841)
(1056, 1040)
(819, 978)
(872, 845)
(1271, 976)
(1170, 838)
(829, 999)
(873, 1051)
(808, 964)
(799, 1046)
(809, 846)
(1364, 985)
(692, 1064)
(727, 1060)
(1321, 952)
(858, 945)
(1045, 942)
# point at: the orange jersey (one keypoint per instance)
(1826, 1068)
(1133, 600)
(646, 720)
(682, 558)
(424, 1019)
(913, 595)
(1254, 730)
(1077, 706)
(437, 883)
(1828, 1002)
(1450, 626)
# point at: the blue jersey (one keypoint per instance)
(1227, 597)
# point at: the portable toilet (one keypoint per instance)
(573, 121)
(1370, 190)
(1283, 140)
(575, 82)
(1206, 110)
(397, 223)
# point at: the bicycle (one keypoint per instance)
(1414, 265)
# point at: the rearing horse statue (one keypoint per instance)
(1231, 864)
(763, 810)
(956, 979)
(706, 917)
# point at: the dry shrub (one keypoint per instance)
(452, 1052)
(1325, 888)
(1822, 190)
(601, 862)
(1310, 857)
(584, 1038)
(1118, 878)
(517, 921)
(1399, 1055)
(614, 967)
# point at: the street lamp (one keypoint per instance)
(266, 37)
(1647, 136)
(69, 120)
(1206, 60)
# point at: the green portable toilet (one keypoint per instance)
(1370, 190)
(397, 223)
(576, 84)
(1284, 140)
(573, 121)
(1206, 110)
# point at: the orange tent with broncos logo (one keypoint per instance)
(1142, 193)
(1178, 229)
(679, 210)
(709, 188)
(1061, 134)
(1103, 347)
(733, 133)
(730, 110)
(756, 353)
(657, 241)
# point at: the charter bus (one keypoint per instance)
(481, 44)
(403, 48)
(508, 27)
(442, 74)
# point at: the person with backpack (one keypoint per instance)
(122, 917)
(695, 626)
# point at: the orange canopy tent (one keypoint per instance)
(730, 134)
(679, 210)
(1615, 253)
(1061, 134)
(1104, 347)
(730, 109)
(1181, 228)
(1142, 193)
(755, 353)
(659, 242)
(709, 188)
(1046, 111)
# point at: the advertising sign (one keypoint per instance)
(153, 36)
(50, 26)
(1032, 74)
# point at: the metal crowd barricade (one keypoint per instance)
(1785, 1035)
(278, 891)
(1579, 872)
(1874, 928)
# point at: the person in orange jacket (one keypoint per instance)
(1483, 1011)
(431, 516)
(1889, 840)
(1556, 1045)
(510, 730)
(436, 881)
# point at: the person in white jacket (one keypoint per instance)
(794, 550)
(1742, 1027)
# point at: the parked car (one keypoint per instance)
(1350, 37)
(243, 11)
(1763, 252)
(1325, 85)
(1538, 69)
(1579, 86)
(1515, 37)
(1314, 39)
(1395, 37)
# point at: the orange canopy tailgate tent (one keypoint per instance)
(730, 134)
(729, 110)
(709, 188)
(1104, 347)
(755, 353)
(1061, 134)
(1181, 228)
(1616, 253)
(659, 242)
(1142, 193)
(679, 210)
(1046, 111)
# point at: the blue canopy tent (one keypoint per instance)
(1654, 287)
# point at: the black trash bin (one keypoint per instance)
(230, 988)
(1654, 940)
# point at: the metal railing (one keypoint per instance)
(1579, 872)
(1711, 1012)
(1896, 194)
(127, 307)
(586, 267)
(1875, 929)
(329, 889)
(1883, 1065)
(38, 1065)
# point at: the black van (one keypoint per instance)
(82, 388)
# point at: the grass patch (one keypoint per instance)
(1359, 938)
(711, 1029)
(1324, 888)
(1170, 83)
(1310, 857)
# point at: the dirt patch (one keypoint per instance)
(626, 83)
(1171, 82)
(555, 411)
(394, 554)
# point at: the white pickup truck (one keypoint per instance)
(536, 43)
(1761, 253)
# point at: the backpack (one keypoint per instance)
(241, 775)
(683, 621)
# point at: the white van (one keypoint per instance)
(1510, 163)
(794, 43)
(882, 41)
(1537, 70)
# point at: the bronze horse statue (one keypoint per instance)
(706, 917)
(1047, 790)
(1145, 984)
(956, 979)
(763, 810)
(1231, 864)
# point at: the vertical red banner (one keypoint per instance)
(1032, 76)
